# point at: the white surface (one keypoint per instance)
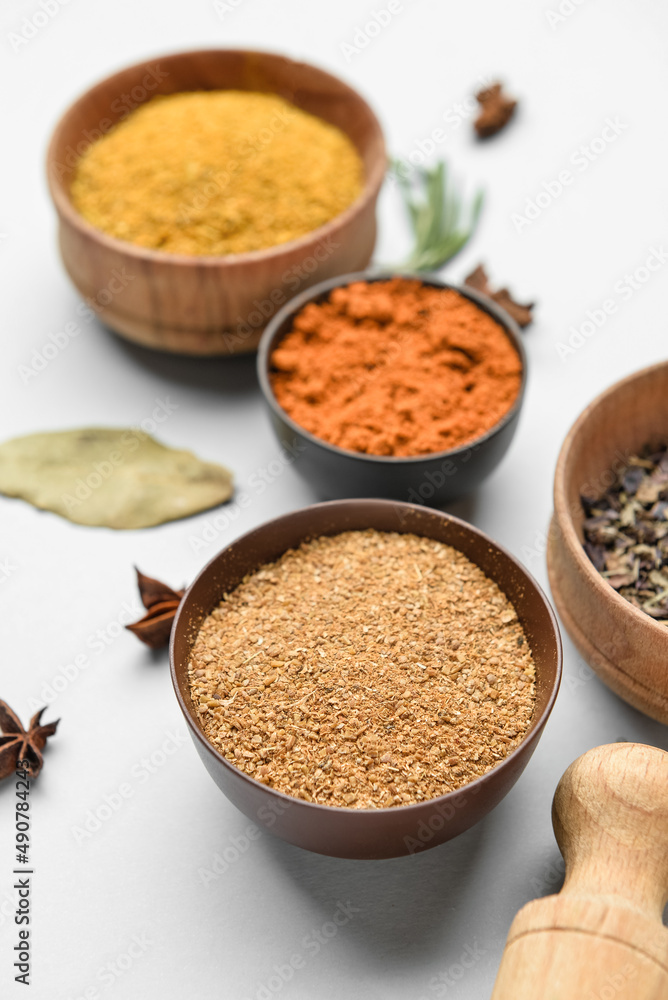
(139, 874)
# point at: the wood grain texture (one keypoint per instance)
(602, 937)
(209, 305)
(626, 647)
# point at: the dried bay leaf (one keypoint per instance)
(111, 477)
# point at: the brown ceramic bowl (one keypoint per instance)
(209, 305)
(627, 648)
(368, 833)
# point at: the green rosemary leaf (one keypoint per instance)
(436, 214)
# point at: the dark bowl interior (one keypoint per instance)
(368, 833)
(431, 479)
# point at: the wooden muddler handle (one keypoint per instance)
(602, 936)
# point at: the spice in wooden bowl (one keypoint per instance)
(626, 532)
(396, 368)
(366, 669)
(216, 172)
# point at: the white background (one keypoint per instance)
(139, 874)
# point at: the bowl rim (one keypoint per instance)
(370, 276)
(563, 514)
(66, 209)
(532, 734)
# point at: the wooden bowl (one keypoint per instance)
(367, 833)
(625, 646)
(196, 304)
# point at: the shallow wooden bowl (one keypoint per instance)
(367, 833)
(627, 648)
(209, 305)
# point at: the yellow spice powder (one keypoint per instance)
(216, 172)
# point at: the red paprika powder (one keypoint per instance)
(396, 368)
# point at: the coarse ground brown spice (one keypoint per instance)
(396, 368)
(366, 669)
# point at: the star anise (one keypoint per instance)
(521, 314)
(496, 110)
(18, 744)
(161, 603)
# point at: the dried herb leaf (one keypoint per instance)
(626, 532)
(436, 215)
(478, 280)
(496, 110)
(113, 477)
(19, 744)
(162, 604)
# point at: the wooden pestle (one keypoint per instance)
(602, 936)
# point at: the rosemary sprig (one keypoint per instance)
(436, 214)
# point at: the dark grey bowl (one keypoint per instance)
(367, 833)
(431, 479)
